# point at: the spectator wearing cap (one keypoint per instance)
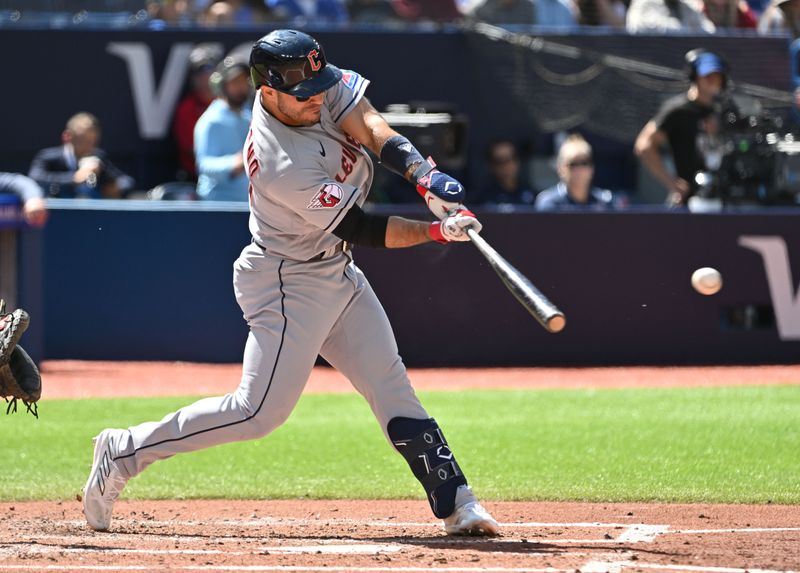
(680, 123)
(660, 16)
(202, 61)
(574, 189)
(78, 168)
(220, 134)
(781, 16)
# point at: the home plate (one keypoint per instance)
(349, 549)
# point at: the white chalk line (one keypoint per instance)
(338, 549)
(642, 533)
(27, 553)
(279, 568)
(619, 566)
(168, 538)
(737, 530)
(261, 522)
(590, 567)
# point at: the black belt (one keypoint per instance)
(339, 247)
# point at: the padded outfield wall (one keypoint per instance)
(153, 282)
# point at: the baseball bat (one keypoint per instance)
(544, 311)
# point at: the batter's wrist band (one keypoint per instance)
(435, 231)
(398, 154)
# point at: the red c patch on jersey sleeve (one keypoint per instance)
(328, 196)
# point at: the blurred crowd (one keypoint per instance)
(636, 16)
(211, 121)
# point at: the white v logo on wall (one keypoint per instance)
(785, 299)
(154, 103)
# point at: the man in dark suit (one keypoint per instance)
(77, 168)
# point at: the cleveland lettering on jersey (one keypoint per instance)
(252, 160)
(349, 158)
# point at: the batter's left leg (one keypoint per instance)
(362, 346)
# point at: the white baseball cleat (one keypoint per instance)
(469, 517)
(105, 481)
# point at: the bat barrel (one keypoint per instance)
(540, 307)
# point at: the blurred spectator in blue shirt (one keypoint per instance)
(202, 62)
(574, 190)
(34, 207)
(220, 133)
(78, 168)
(506, 185)
(311, 11)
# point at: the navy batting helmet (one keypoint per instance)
(292, 62)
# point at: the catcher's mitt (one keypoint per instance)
(19, 376)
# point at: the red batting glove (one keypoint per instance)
(454, 226)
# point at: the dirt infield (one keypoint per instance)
(395, 536)
(388, 536)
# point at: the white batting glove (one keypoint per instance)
(454, 227)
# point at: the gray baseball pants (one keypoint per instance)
(295, 310)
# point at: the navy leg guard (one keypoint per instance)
(423, 446)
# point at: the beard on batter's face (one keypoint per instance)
(300, 113)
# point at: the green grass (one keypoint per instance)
(675, 445)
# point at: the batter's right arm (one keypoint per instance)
(394, 232)
(442, 193)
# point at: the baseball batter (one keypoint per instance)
(299, 289)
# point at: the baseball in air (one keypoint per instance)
(707, 281)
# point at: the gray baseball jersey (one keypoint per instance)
(300, 294)
(304, 179)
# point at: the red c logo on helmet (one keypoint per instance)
(313, 58)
